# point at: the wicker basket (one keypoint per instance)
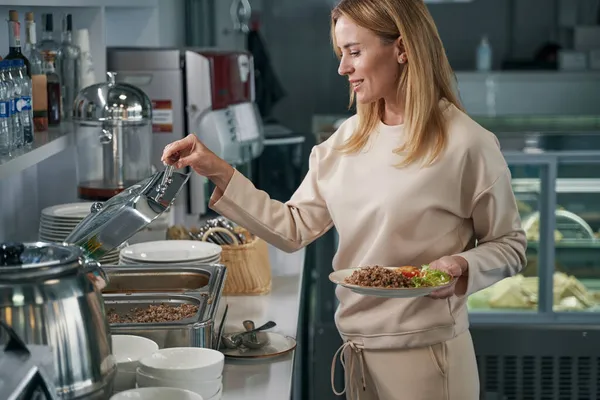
(248, 267)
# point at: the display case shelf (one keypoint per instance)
(45, 145)
(563, 185)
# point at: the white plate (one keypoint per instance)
(156, 393)
(69, 211)
(338, 277)
(59, 223)
(278, 345)
(60, 227)
(51, 239)
(65, 232)
(124, 261)
(194, 259)
(171, 251)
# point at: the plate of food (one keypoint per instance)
(398, 282)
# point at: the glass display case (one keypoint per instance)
(557, 188)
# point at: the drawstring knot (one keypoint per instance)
(353, 352)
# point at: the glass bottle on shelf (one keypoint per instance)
(53, 88)
(14, 40)
(69, 67)
(38, 77)
(48, 46)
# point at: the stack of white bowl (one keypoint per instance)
(128, 350)
(57, 222)
(179, 252)
(198, 370)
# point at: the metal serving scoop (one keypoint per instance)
(236, 340)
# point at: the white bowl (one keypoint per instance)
(157, 393)
(184, 363)
(129, 349)
(206, 389)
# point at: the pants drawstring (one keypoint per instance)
(354, 353)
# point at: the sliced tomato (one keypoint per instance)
(409, 271)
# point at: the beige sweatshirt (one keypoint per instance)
(393, 216)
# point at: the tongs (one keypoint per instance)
(162, 187)
(166, 180)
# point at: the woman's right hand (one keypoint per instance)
(191, 152)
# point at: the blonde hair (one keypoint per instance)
(425, 80)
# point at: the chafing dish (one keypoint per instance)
(141, 285)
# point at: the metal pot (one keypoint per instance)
(48, 298)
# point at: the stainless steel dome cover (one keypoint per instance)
(112, 102)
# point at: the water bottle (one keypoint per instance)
(15, 117)
(5, 124)
(484, 55)
(24, 107)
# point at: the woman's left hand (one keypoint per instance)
(455, 266)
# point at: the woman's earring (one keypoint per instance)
(403, 59)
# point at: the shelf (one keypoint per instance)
(542, 124)
(46, 144)
(563, 185)
(81, 3)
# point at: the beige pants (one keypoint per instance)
(445, 371)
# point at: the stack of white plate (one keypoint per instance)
(57, 222)
(179, 252)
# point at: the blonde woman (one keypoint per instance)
(409, 180)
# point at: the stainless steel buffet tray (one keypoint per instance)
(141, 285)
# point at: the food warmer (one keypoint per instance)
(517, 323)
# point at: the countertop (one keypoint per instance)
(267, 379)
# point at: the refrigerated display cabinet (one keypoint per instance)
(536, 334)
(558, 196)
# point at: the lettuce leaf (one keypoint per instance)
(431, 277)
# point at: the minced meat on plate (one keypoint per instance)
(378, 277)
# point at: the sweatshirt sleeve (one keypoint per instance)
(288, 226)
(501, 241)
